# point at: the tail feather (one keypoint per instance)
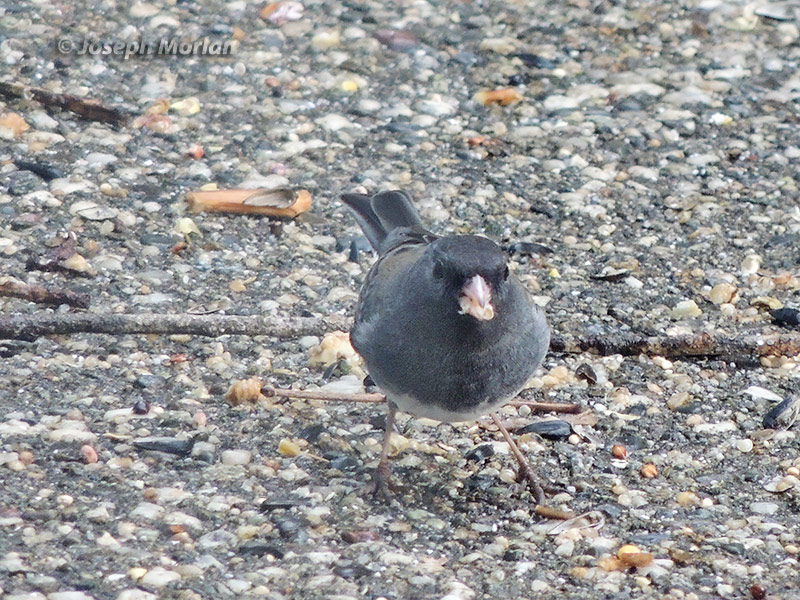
(379, 215)
(394, 209)
(367, 219)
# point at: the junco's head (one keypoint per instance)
(470, 272)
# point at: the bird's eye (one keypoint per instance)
(505, 273)
(438, 270)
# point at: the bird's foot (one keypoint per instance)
(381, 487)
(527, 475)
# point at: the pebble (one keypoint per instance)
(722, 293)
(437, 106)
(136, 594)
(158, 577)
(764, 508)
(744, 445)
(686, 309)
(236, 457)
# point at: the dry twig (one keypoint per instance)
(29, 327)
(91, 110)
(745, 349)
(269, 391)
(42, 295)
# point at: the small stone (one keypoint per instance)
(143, 10)
(89, 454)
(553, 429)
(91, 211)
(751, 264)
(678, 400)
(565, 549)
(764, 508)
(326, 40)
(165, 444)
(69, 595)
(687, 499)
(136, 594)
(634, 557)
(744, 445)
(236, 457)
(686, 309)
(649, 471)
(722, 293)
(287, 447)
(158, 577)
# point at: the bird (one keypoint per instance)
(444, 328)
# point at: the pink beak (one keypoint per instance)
(476, 299)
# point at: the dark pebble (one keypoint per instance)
(789, 317)
(311, 433)
(141, 407)
(260, 549)
(514, 555)
(205, 456)
(341, 461)
(553, 429)
(358, 536)
(401, 127)
(43, 170)
(783, 415)
(586, 372)
(147, 380)
(480, 453)
(340, 366)
(734, 548)
(529, 249)
(468, 59)
(631, 440)
(648, 539)
(271, 504)
(23, 182)
(369, 384)
(24, 221)
(535, 61)
(612, 276)
(352, 571)
(158, 240)
(291, 528)
(478, 482)
(165, 444)
(397, 39)
(353, 255)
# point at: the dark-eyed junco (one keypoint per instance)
(445, 330)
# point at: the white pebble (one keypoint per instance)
(159, 577)
(236, 457)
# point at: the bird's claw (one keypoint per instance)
(527, 475)
(381, 487)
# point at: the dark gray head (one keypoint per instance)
(472, 271)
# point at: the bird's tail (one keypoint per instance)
(379, 215)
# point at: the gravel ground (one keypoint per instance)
(654, 145)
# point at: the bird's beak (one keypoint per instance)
(476, 299)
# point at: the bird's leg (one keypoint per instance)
(381, 485)
(525, 470)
